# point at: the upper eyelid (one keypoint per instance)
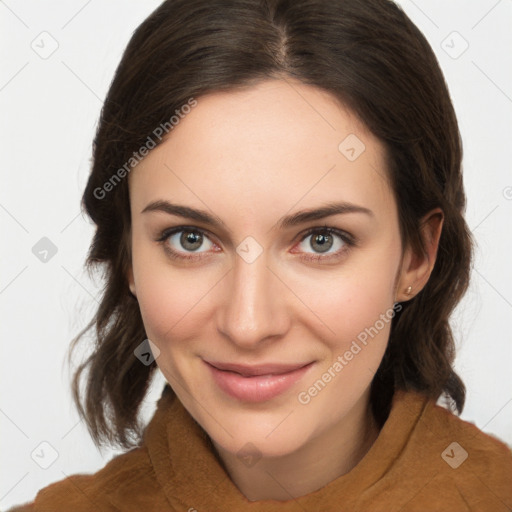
(166, 233)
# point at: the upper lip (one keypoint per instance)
(260, 369)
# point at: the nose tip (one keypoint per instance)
(254, 310)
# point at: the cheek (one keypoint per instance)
(359, 314)
(360, 324)
(170, 299)
(355, 306)
(168, 306)
(352, 298)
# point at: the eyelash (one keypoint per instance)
(347, 239)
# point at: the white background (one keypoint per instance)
(49, 111)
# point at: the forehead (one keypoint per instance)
(262, 150)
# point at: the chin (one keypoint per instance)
(273, 433)
(251, 443)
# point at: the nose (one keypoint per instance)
(253, 310)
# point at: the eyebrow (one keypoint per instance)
(288, 221)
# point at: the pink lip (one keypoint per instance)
(256, 383)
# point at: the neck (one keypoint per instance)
(323, 459)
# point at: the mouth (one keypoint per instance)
(257, 383)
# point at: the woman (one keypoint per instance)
(279, 206)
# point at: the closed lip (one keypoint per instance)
(260, 369)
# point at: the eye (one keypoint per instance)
(185, 242)
(319, 243)
(325, 242)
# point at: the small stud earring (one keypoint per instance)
(408, 290)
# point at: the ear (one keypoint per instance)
(131, 281)
(127, 240)
(417, 266)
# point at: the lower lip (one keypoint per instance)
(258, 388)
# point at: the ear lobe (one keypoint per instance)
(417, 266)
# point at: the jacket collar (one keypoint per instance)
(192, 477)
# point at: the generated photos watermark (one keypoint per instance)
(151, 142)
(305, 397)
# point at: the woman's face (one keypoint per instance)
(271, 315)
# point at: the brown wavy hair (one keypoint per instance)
(374, 60)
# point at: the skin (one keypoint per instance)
(250, 157)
